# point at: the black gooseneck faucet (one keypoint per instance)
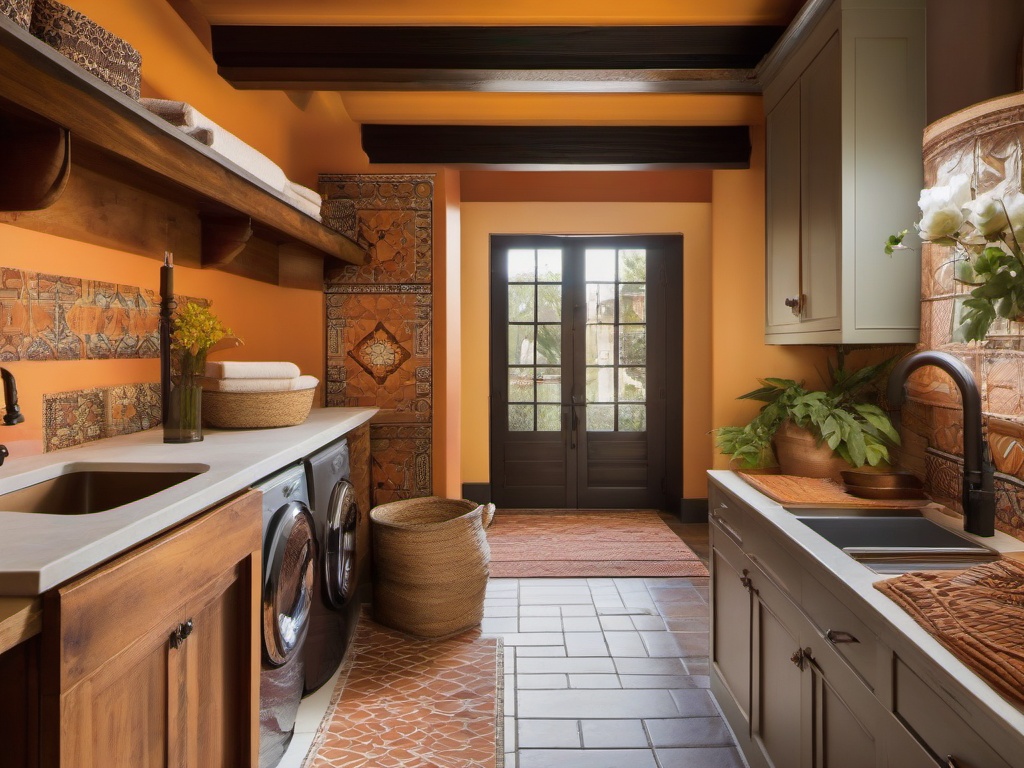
(978, 494)
(12, 413)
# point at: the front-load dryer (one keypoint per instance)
(289, 565)
(335, 608)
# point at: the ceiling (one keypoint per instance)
(567, 98)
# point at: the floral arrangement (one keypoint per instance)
(986, 233)
(196, 331)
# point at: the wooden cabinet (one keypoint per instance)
(803, 680)
(153, 659)
(844, 95)
(86, 162)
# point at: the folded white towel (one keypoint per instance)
(235, 369)
(259, 385)
(201, 128)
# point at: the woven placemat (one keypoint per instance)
(978, 614)
(794, 491)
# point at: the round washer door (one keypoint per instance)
(288, 581)
(340, 562)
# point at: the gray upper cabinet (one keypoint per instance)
(845, 101)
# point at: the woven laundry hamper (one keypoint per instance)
(18, 10)
(431, 561)
(88, 45)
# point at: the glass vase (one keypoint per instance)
(184, 411)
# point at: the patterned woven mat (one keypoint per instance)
(402, 702)
(978, 614)
(795, 491)
(598, 544)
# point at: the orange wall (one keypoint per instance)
(586, 187)
(693, 220)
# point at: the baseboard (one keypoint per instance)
(478, 492)
(693, 510)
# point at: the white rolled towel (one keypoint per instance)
(236, 369)
(305, 192)
(259, 385)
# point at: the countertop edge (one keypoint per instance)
(895, 627)
(20, 619)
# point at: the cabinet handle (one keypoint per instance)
(727, 529)
(801, 656)
(745, 580)
(796, 304)
(181, 633)
(838, 636)
(955, 762)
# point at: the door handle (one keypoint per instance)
(573, 426)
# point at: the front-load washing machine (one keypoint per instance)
(289, 566)
(335, 608)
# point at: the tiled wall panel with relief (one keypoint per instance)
(47, 317)
(989, 151)
(380, 322)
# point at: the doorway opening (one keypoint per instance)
(586, 371)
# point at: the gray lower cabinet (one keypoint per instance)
(802, 680)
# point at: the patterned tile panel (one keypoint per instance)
(403, 702)
(380, 320)
(81, 416)
(54, 317)
(401, 462)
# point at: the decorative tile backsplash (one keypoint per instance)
(83, 415)
(380, 322)
(989, 151)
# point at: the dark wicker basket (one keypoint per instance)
(89, 45)
(19, 10)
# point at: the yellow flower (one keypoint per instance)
(196, 329)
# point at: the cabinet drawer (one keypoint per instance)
(937, 725)
(847, 634)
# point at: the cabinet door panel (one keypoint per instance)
(783, 209)
(841, 740)
(820, 166)
(779, 720)
(730, 640)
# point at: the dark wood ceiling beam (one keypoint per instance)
(665, 57)
(529, 146)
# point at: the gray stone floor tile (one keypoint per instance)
(497, 626)
(679, 644)
(579, 665)
(648, 623)
(659, 681)
(617, 623)
(581, 624)
(683, 610)
(539, 610)
(509, 696)
(540, 624)
(500, 612)
(597, 704)
(548, 682)
(511, 760)
(526, 651)
(578, 610)
(689, 732)
(694, 702)
(587, 758)
(698, 665)
(555, 599)
(499, 602)
(630, 585)
(700, 757)
(625, 644)
(510, 733)
(540, 734)
(613, 734)
(689, 624)
(585, 644)
(656, 666)
(533, 638)
(675, 595)
(594, 681)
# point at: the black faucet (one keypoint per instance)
(978, 495)
(12, 413)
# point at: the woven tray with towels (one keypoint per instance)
(254, 395)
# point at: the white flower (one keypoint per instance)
(1015, 211)
(987, 215)
(942, 207)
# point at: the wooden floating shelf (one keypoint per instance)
(81, 160)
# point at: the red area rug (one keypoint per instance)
(401, 702)
(588, 544)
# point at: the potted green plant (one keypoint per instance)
(814, 433)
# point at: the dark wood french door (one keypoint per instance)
(580, 361)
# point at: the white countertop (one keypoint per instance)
(38, 552)
(854, 582)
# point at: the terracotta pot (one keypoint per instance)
(799, 453)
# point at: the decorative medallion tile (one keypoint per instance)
(1010, 506)
(132, 408)
(81, 416)
(944, 478)
(379, 353)
(401, 465)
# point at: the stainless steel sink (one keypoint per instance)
(803, 512)
(85, 489)
(900, 543)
